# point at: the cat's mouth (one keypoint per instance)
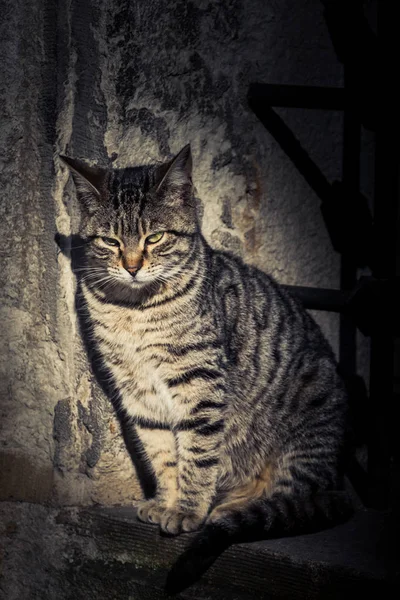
(113, 282)
(138, 283)
(150, 278)
(141, 280)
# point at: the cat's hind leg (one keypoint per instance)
(292, 495)
(239, 497)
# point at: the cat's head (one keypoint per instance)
(138, 224)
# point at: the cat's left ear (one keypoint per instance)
(178, 172)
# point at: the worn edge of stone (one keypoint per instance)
(121, 538)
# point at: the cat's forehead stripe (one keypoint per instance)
(129, 188)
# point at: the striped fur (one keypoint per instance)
(227, 382)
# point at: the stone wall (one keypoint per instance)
(128, 82)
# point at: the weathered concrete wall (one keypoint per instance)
(132, 82)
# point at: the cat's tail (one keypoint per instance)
(277, 516)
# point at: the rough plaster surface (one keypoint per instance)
(131, 82)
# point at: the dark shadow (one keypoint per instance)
(73, 247)
(346, 214)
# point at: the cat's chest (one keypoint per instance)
(134, 349)
(136, 341)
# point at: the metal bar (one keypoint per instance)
(359, 479)
(320, 298)
(355, 46)
(348, 266)
(292, 147)
(351, 182)
(382, 406)
(298, 96)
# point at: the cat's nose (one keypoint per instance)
(132, 269)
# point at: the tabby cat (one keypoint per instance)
(227, 382)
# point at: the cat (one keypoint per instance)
(229, 386)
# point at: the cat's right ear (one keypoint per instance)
(177, 174)
(89, 181)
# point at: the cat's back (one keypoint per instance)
(253, 303)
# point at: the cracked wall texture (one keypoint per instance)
(129, 82)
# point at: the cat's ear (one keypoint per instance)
(89, 181)
(177, 173)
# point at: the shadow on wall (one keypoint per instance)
(72, 247)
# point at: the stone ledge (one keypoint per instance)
(336, 563)
(49, 553)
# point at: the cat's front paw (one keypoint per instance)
(174, 521)
(150, 511)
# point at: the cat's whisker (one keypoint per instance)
(89, 269)
(103, 281)
(92, 276)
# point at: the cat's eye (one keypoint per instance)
(110, 241)
(155, 237)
